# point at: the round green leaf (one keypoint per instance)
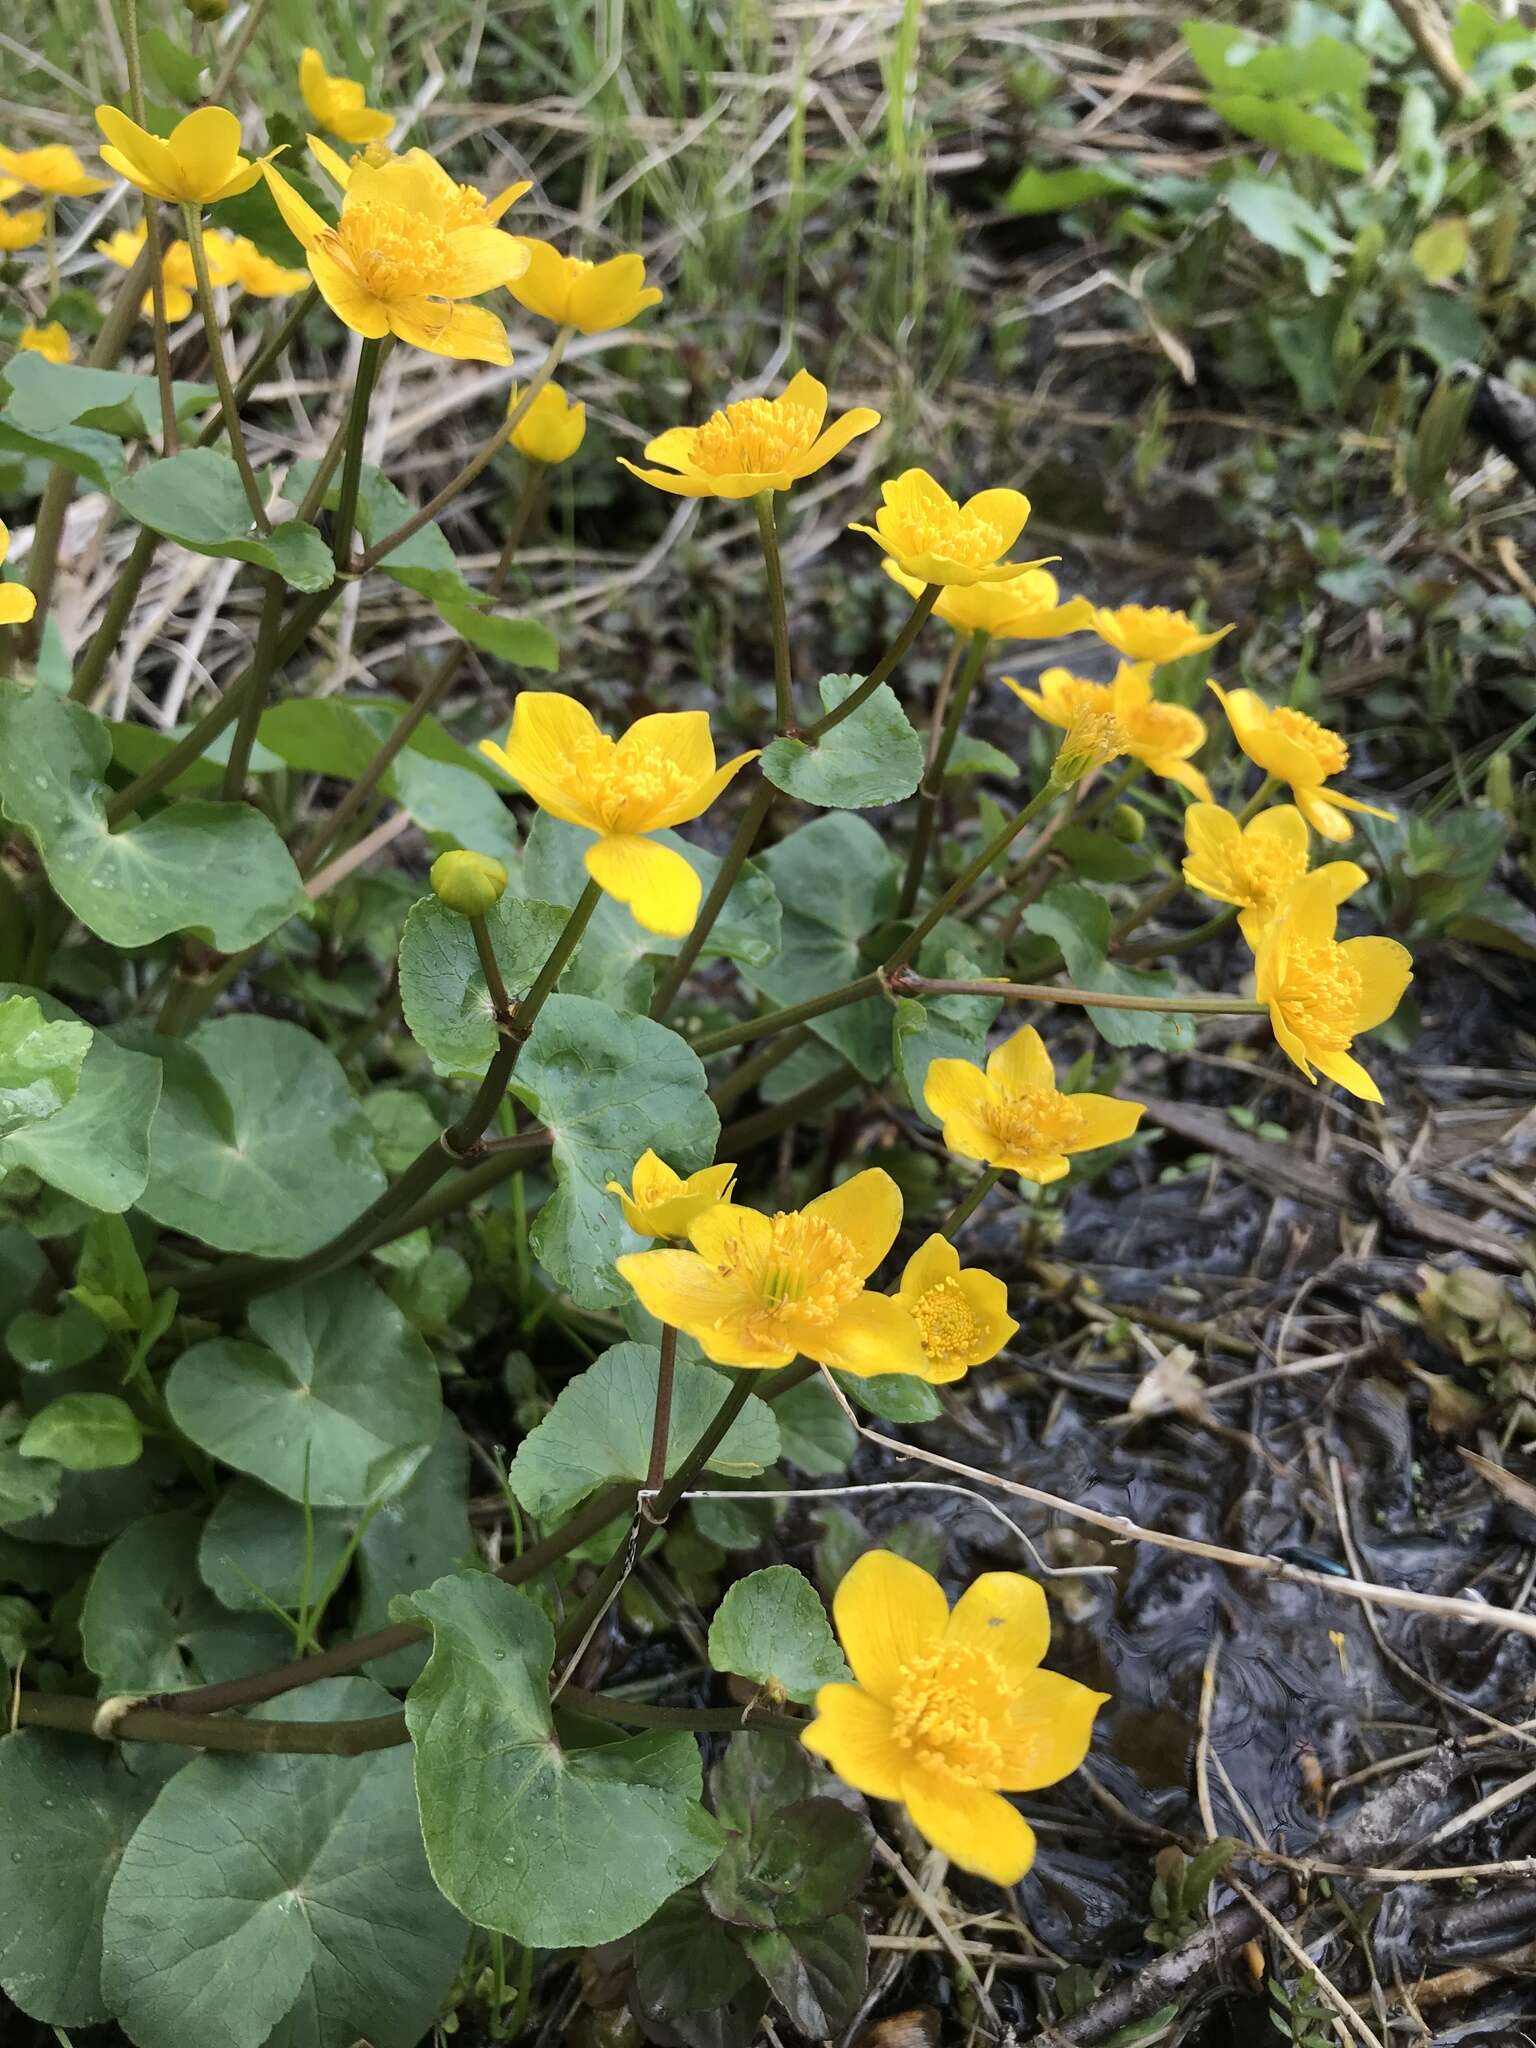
(218, 870)
(196, 499)
(67, 1810)
(96, 1147)
(1080, 922)
(608, 1086)
(772, 1628)
(39, 1064)
(282, 1900)
(55, 1343)
(816, 1434)
(84, 1433)
(259, 1145)
(340, 1396)
(599, 1430)
(442, 986)
(557, 1846)
(419, 1535)
(873, 757)
(509, 638)
(254, 1543)
(150, 1625)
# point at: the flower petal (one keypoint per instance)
(1004, 1614)
(468, 334)
(867, 1211)
(1348, 1072)
(140, 157)
(682, 737)
(1325, 817)
(887, 1611)
(205, 145)
(550, 732)
(978, 1831)
(483, 258)
(347, 296)
(1050, 1728)
(660, 888)
(1385, 969)
(1106, 1120)
(934, 1262)
(686, 1291)
(698, 803)
(1021, 1063)
(872, 1335)
(609, 294)
(683, 486)
(299, 217)
(1282, 823)
(834, 439)
(852, 1731)
(1006, 511)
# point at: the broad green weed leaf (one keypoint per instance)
(419, 1535)
(282, 1900)
(599, 1430)
(772, 1628)
(817, 1973)
(873, 757)
(442, 988)
(940, 1028)
(557, 1846)
(523, 642)
(1080, 923)
(96, 1147)
(815, 1433)
(70, 414)
(149, 1624)
(29, 1487)
(686, 1961)
(254, 1543)
(40, 1064)
(1283, 220)
(84, 1433)
(1295, 130)
(338, 1395)
(196, 499)
(1035, 191)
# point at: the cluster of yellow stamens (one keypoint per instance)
(1037, 1122)
(944, 1711)
(807, 1268)
(1326, 748)
(946, 1322)
(626, 787)
(396, 252)
(1320, 993)
(754, 437)
(1264, 869)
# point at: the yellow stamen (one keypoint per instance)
(1037, 1123)
(807, 1271)
(946, 1322)
(1326, 748)
(396, 254)
(947, 1704)
(629, 789)
(753, 437)
(1321, 995)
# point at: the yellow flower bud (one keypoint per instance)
(1127, 824)
(468, 884)
(552, 429)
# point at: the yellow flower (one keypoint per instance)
(54, 168)
(1253, 866)
(661, 772)
(9, 187)
(761, 1290)
(178, 276)
(1296, 749)
(21, 230)
(962, 1316)
(256, 273)
(404, 251)
(660, 1203)
(473, 206)
(198, 164)
(1322, 994)
(756, 444)
(951, 1709)
(17, 604)
(1161, 736)
(1153, 633)
(552, 429)
(1015, 1116)
(340, 104)
(1028, 607)
(936, 540)
(591, 297)
(52, 342)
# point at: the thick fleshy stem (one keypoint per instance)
(967, 1206)
(254, 699)
(735, 860)
(916, 620)
(661, 1422)
(948, 716)
(772, 1021)
(783, 678)
(192, 216)
(352, 461)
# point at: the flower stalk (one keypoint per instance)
(352, 462)
(948, 720)
(967, 1206)
(192, 217)
(916, 620)
(783, 680)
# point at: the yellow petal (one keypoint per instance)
(711, 1234)
(1290, 1042)
(684, 1290)
(508, 196)
(1283, 824)
(550, 733)
(1021, 1063)
(1348, 1072)
(988, 1299)
(695, 805)
(483, 258)
(1264, 743)
(683, 486)
(1312, 908)
(977, 1830)
(681, 736)
(934, 1262)
(867, 1211)
(846, 428)
(205, 145)
(853, 1732)
(544, 287)
(1385, 969)
(335, 166)
(1106, 1120)
(1325, 818)
(1005, 510)
(1050, 1727)
(17, 604)
(955, 1088)
(1004, 1614)
(610, 295)
(887, 1611)
(872, 1335)
(1173, 768)
(470, 334)
(348, 297)
(299, 217)
(660, 888)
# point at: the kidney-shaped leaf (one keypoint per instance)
(442, 987)
(149, 1624)
(96, 1147)
(873, 757)
(196, 499)
(772, 1628)
(40, 1063)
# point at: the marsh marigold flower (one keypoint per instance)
(52, 342)
(552, 428)
(473, 205)
(17, 604)
(660, 773)
(21, 229)
(753, 445)
(1161, 736)
(1253, 866)
(591, 297)
(1296, 749)
(1322, 994)
(255, 273)
(961, 1313)
(340, 105)
(1013, 1115)
(936, 540)
(198, 164)
(951, 1709)
(53, 168)
(177, 272)
(405, 251)
(659, 1202)
(1028, 607)
(1153, 633)
(762, 1290)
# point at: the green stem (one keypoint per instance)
(1110, 794)
(748, 1131)
(1258, 800)
(192, 217)
(748, 1072)
(352, 467)
(917, 619)
(661, 1421)
(772, 1021)
(269, 1738)
(746, 838)
(941, 746)
(783, 680)
(1097, 999)
(490, 967)
(134, 58)
(1149, 906)
(999, 843)
(967, 1206)
(254, 698)
(1181, 942)
(466, 476)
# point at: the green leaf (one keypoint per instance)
(425, 563)
(68, 413)
(685, 1961)
(873, 757)
(894, 1396)
(1035, 191)
(84, 1433)
(69, 1809)
(1291, 128)
(1100, 856)
(150, 1625)
(174, 70)
(339, 1396)
(1447, 328)
(816, 1973)
(1283, 220)
(1080, 923)
(55, 1343)
(815, 1433)
(608, 1087)
(836, 879)
(96, 1148)
(419, 1535)
(772, 1628)
(196, 499)
(972, 756)
(282, 1899)
(259, 1145)
(1236, 61)
(760, 1772)
(599, 1430)
(218, 870)
(502, 634)
(39, 1064)
(442, 986)
(109, 1277)
(585, 1843)
(29, 1488)
(254, 1543)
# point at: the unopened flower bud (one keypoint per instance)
(207, 10)
(551, 430)
(469, 884)
(1127, 824)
